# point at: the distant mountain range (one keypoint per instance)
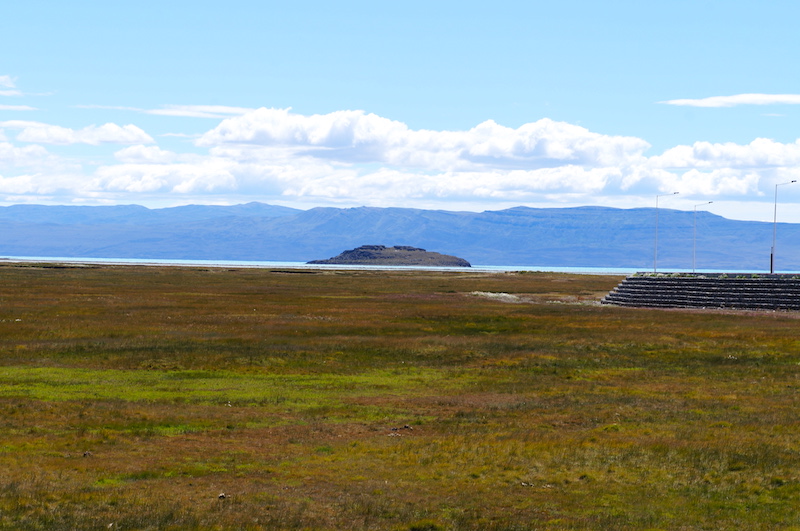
(569, 237)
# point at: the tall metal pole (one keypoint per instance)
(694, 236)
(775, 228)
(655, 247)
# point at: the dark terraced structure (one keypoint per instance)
(744, 292)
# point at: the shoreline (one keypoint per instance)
(268, 264)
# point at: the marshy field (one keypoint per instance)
(212, 398)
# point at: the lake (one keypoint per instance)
(303, 265)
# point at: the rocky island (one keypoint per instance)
(400, 255)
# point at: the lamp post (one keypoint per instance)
(775, 227)
(655, 251)
(694, 236)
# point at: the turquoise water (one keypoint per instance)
(303, 265)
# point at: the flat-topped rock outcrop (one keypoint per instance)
(400, 255)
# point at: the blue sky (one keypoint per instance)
(448, 105)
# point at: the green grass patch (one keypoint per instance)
(221, 388)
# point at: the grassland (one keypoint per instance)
(132, 397)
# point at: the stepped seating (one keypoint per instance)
(762, 292)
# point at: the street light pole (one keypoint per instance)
(655, 251)
(775, 227)
(694, 236)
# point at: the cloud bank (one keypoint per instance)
(354, 157)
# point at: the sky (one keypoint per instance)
(449, 105)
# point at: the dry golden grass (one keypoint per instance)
(132, 397)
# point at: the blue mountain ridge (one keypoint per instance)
(589, 236)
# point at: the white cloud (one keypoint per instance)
(144, 154)
(738, 99)
(355, 136)
(29, 186)
(21, 184)
(37, 132)
(199, 111)
(331, 157)
(17, 108)
(35, 157)
(352, 157)
(383, 184)
(720, 182)
(109, 107)
(760, 153)
(180, 135)
(281, 127)
(8, 86)
(188, 111)
(11, 155)
(166, 178)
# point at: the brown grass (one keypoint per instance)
(132, 397)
